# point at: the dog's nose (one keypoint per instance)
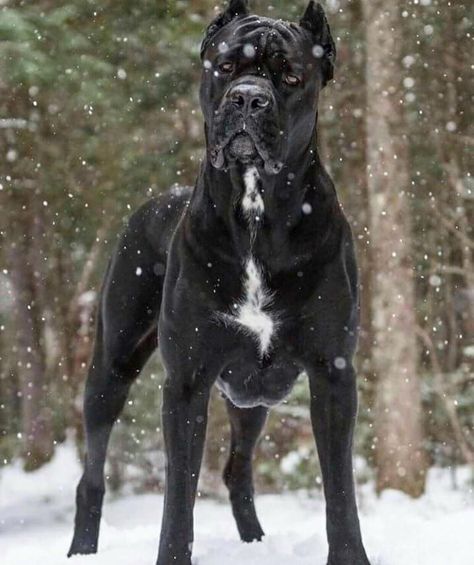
(249, 99)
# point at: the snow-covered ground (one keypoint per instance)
(36, 514)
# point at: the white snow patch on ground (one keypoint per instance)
(36, 514)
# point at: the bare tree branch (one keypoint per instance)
(449, 406)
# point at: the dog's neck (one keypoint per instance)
(246, 201)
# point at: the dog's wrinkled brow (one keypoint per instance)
(289, 32)
(258, 30)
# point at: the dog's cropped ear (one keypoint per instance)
(314, 20)
(235, 9)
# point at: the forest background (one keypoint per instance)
(99, 111)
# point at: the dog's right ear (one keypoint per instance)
(235, 9)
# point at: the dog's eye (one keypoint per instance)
(292, 80)
(227, 67)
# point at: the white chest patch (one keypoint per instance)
(251, 314)
(252, 202)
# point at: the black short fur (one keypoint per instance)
(178, 275)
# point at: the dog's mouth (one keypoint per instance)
(243, 147)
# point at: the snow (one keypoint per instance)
(36, 513)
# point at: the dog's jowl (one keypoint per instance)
(246, 281)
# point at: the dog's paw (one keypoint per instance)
(251, 533)
(81, 548)
(175, 558)
(348, 557)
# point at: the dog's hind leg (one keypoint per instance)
(246, 427)
(126, 337)
(105, 396)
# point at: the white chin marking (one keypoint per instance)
(251, 315)
(252, 202)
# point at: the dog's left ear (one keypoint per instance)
(235, 9)
(314, 20)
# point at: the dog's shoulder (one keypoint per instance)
(157, 218)
(164, 206)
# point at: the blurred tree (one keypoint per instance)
(438, 53)
(99, 111)
(401, 462)
(26, 268)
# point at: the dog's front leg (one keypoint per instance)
(184, 427)
(333, 415)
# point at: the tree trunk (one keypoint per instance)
(35, 417)
(358, 212)
(401, 462)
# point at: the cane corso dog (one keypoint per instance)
(244, 282)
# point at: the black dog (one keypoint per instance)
(247, 281)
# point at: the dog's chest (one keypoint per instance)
(253, 313)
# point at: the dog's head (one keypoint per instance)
(260, 84)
